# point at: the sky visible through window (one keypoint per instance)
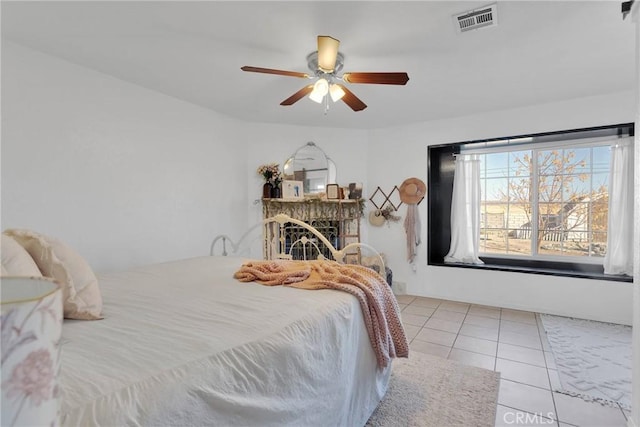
(565, 215)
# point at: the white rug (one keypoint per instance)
(593, 358)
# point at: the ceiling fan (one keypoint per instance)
(325, 64)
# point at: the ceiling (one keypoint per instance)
(539, 52)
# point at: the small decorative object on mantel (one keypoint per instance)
(345, 192)
(276, 193)
(266, 190)
(292, 190)
(355, 190)
(412, 191)
(276, 181)
(273, 177)
(333, 192)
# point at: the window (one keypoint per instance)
(544, 200)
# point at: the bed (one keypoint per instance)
(184, 343)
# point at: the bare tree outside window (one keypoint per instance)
(565, 215)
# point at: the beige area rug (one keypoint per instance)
(427, 391)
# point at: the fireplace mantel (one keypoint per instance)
(337, 220)
(312, 209)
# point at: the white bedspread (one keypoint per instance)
(183, 343)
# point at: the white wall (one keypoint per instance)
(398, 153)
(125, 175)
(635, 417)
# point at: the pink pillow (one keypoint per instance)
(80, 292)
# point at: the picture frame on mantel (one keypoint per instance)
(292, 190)
(333, 192)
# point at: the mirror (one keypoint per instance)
(310, 165)
(333, 172)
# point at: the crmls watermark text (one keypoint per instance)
(526, 418)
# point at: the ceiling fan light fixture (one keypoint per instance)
(327, 53)
(336, 92)
(315, 97)
(320, 89)
(325, 65)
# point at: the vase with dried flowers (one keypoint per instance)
(270, 172)
(276, 180)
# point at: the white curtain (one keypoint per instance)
(619, 256)
(465, 211)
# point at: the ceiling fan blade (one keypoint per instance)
(377, 78)
(351, 100)
(327, 53)
(272, 71)
(297, 96)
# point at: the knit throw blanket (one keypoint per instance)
(378, 304)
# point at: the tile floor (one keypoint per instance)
(511, 342)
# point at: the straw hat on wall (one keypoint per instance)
(412, 191)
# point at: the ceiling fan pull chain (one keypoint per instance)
(326, 104)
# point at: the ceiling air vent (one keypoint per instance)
(478, 18)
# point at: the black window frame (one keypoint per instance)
(440, 171)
